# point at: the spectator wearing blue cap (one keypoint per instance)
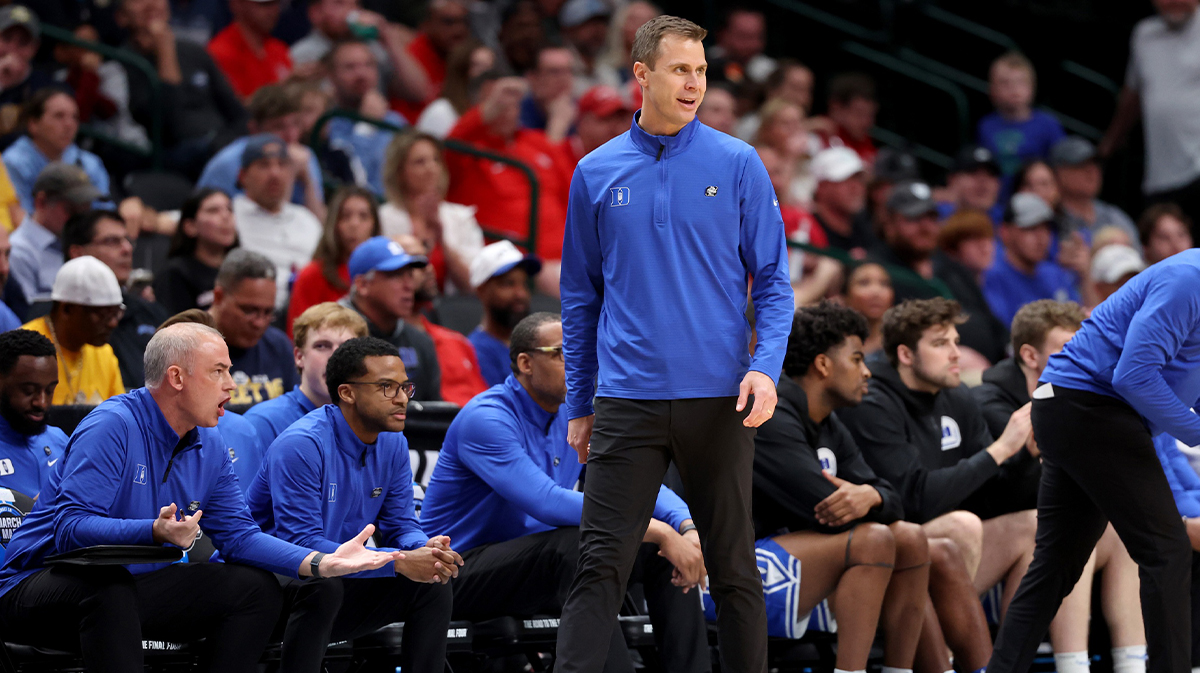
(974, 183)
(1025, 273)
(267, 223)
(383, 290)
(500, 276)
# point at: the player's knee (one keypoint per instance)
(967, 531)
(912, 547)
(872, 543)
(946, 560)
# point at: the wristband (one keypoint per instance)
(687, 528)
(315, 564)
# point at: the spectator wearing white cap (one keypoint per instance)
(1113, 266)
(1025, 272)
(840, 200)
(500, 276)
(383, 288)
(87, 307)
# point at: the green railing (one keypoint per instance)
(980, 31)
(529, 242)
(894, 64)
(897, 273)
(832, 21)
(133, 60)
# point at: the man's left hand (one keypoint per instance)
(849, 502)
(683, 551)
(762, 388)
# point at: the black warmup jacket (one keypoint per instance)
(1002, 392)
(790, 451)
(930, 446)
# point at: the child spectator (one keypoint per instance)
(1015, 132)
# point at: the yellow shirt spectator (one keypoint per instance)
(88, 376)
(10, 207)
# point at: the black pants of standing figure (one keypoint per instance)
(531, 575)
(326, 611)
(633, 443)
(105, 612)
(1098, 466)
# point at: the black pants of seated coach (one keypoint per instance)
(633, 443)
(322, 611)
(1099, 466)
(106, 612)
(531, 575)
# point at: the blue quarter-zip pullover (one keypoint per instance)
(244, 447)
(123, 464)
(320, 483)
(274, 416)
(1142, 346)
(506, 471)
(26, 460)
(663, 235)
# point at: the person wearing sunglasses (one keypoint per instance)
(86, 309)
(503, 490)
(346, 465)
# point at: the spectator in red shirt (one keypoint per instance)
(501, 192)
(813, 276)
(852, 110)
(461, 377)
(840, 202)
(245, 50)
(602, 116)
(444, 28)
(738, 56)
(352, 219)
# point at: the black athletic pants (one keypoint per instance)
(323, 611)
(531, 575)
(633, 443)
(1099, 465)
(105, 612)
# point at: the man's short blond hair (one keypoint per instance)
(649, 37)
(327, 314)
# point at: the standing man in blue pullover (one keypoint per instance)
(503, 489)
(29, 447)
(343, 465)
(1131, 372)
(143, 468)
(666, 226)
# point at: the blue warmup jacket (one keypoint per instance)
(1184, 483)
(506, 471)
(320, 486)
(663, 234)
(1142, 346)
(124, 463)
(244, 447)
(274, 416)
(27, 460)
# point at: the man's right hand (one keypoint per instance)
(504, 97)
(354, 556)
(1015, 435)
(579, 435)
(179, 532)
(428, 565)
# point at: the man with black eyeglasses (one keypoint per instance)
(343, 465)
(244, 308)
(503, 490)
(86, 309)
(102, 234)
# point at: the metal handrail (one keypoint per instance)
(529, 242)
(832, 20)
(967, 26)
(136, 61)
(895, 272)
(922, 152)
(1091, 76)
(911, 71)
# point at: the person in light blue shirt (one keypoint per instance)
(666, 225)
(29, 448)
(1024, 272)
(60, 191)
(51, 122)
(1132, 371)
(354, 74)
(148, 468)
(345, 465)
(273, 109)
(503, 490)
(500, 276)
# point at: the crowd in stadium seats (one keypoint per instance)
(362, 193)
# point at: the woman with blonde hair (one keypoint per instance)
(353, 217)
(783, 129)
(415, 181)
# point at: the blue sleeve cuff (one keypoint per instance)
(580, 410)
